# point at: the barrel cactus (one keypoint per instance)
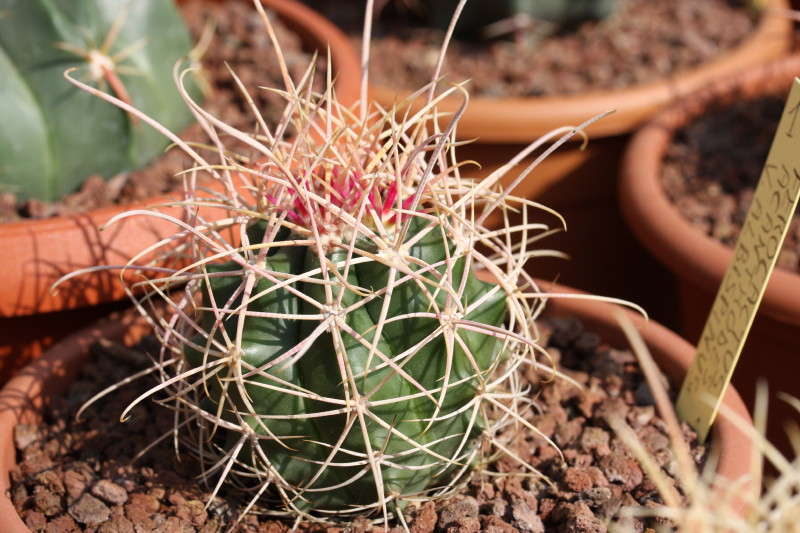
(346, 379)
(343, 358)
(55, 136)
(330, 344)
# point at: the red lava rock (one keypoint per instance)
(646, 490)
(577, 518)
(173, 524)
(75, 484)
(140, 507)
(713, 186)
(47, 502)
(110, 492)
(653, 439)
(116, 524)
(34, 520)
(561, 391)
(496, 507)
(568, 432)
(621, 470)
(640, 415)
(51, 481)
(193, 512)
(589, 400)
(596, 496)
(525, 518)
(464, 524)
(548, 453)
(425, 519)
(607, 504)
(583, 524)
(34, 463)
(494, 524)
(546, 423)
(89, 510)
(465, 508)
(595, 440)
(19, 494)
(577, 459)
(546, 506)
(62, 524)
(596, 475)
(576, 479)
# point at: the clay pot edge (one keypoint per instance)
(499, 120)
(662, 229)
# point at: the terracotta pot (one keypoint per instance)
(698, 261)
(23, 396)
(521, 120)
(581, 185)
(47, 377)
(673, 354)
(37, 253)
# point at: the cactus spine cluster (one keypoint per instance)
(354, 394)
(331, 346)
(55, 136)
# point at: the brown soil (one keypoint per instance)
(77, 476)
(240, 41)
(643, 41)
(713, 165)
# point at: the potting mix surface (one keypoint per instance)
(713, 165)
(78, 475)
(644, 40)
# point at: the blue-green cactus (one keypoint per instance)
(418, 412)
(478, 14)
(54, 135)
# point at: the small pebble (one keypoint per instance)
(110, 492)
(88, 510)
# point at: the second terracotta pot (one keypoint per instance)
(699, 262)
(605, 258)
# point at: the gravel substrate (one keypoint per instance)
(78, 476)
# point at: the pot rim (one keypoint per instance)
(522, 120)
(50, 375)
(692, 255)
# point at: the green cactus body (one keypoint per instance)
(565, 12)
(480, 13)
(324, 429)
(55, 135)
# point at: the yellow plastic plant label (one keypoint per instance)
(774, 203)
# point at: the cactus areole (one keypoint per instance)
(54, 136)
(349, 383)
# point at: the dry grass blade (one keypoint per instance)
(706, 502)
